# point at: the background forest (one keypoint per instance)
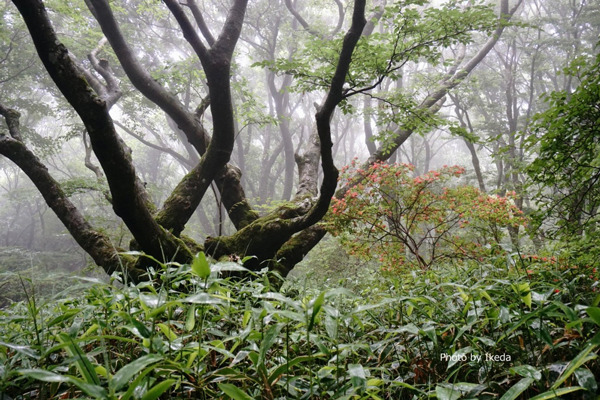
(299, 199)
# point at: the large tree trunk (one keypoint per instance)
(278, 240)
(96, 244)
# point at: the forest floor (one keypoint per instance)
(512, 327)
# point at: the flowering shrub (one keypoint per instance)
(400, 219)
(564, 266)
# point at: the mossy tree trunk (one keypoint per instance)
(278, 240)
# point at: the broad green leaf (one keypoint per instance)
(246, 318)
(366, 307)
(578, 361)
(459, 352)
(228, 266)
(279, 297)
(268, 339)
(202, 298)
(517, 389)
(463, 295)
(277, 372)
(375, 382)
(331, 326)
(318, 304)
(140, 329)
(92, 390)
(157, 311)
(152, 300)
(167, 331)
(444, 393)
(356, 370)
(67, 315)
(586, 380)
(84, 366)
(100, 370)
(90, 330)
(158, 389)
(527, 371)
(594, 313)
(524, 291)
(25, 350)
(234, 392)
(200, 266)
(406, 385)
(190, 320)
(233, 374)
(485, 294)
(122, 376)
(410, 328)
(247, 258)
(552, 394)
(429, 331)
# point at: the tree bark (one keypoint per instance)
(97, 245)
(265, 237)
(130, 200)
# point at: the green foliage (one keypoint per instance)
(51, 271)
(200, 266)
(247, 341)
(79, 185)
(419, 221)
(566, 171)
(410, 35)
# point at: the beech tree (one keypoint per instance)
(337, 66)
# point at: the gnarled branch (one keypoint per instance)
(130, 200)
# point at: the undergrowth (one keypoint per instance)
(500, 330)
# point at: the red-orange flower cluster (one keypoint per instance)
(400, 219)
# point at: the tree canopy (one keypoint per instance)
(164, 110)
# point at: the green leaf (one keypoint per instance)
(459, 352)
(67, 315)
(200, 266)
(140, 329)
(279, 297)
(122, 377)
(523, 290)
(25, 350)
(268, 339)
(95, 391)
(100, 370)
(136, 383)
(247, 258)
(356, 370)
(517, 389)
(586, 380)
(318, 304)
(366, 307)
(228, 266)
(202, 298)
(167, 331)
(84, 366)
(277, 372)
(527, 371)
(190, 320)
(234, 392)
(594, 313)
(578, 361)
(158, 389)
(444, 393)
(552, 394)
